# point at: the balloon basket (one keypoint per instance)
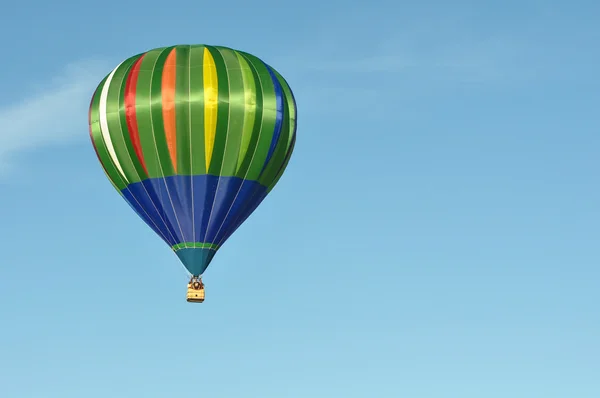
(195, 290)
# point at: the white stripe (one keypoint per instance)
(104, 123)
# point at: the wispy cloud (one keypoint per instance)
(370, 58)
(449, 43)
(426, 53)
(53, 114)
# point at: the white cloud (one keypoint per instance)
(55, 114)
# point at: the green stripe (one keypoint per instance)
(253, 141)
(288, 97)
(196, 109)
(236, 112)
(194, 245)
(143, 113)
(116, 123)
(107, 164)
(249, 108)
(216, 161)
(292, 117)
(284, 166)
(279, 153)
(269, 114)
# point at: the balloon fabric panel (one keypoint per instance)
(194, 138)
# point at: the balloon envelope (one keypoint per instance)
(193, 138)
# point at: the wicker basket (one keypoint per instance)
(195, 295)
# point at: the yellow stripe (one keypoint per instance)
(211, 97)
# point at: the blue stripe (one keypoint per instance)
(167, 205)
(278, 116)
(293, 141)
(147, 219)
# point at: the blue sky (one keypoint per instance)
(435, 235)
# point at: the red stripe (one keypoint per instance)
(130, 111)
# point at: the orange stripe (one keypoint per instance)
(168, 105)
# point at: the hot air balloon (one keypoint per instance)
(193, 137)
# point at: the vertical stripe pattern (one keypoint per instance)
(194, 137)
